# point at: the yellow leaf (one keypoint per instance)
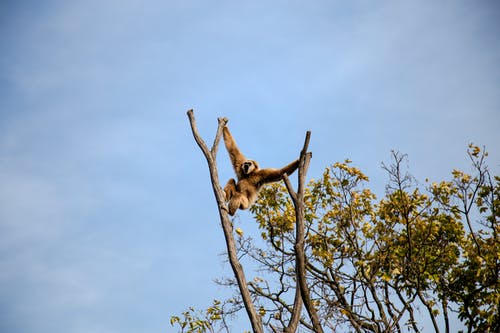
(262, 311)
(239, 232)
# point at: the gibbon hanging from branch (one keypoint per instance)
(243, 193)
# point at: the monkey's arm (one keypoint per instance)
(237, 158)
(274, 175)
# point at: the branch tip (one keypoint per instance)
(306, 142)
(223, 120)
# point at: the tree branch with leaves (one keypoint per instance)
(334, 257)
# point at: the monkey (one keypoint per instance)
(243, 193)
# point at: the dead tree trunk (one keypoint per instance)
(300, 259)
(227, 227)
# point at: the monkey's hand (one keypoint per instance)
(224, 207)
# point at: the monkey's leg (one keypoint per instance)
(230, 189)
(244, 202)
(236, 202)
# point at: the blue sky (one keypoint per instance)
(107, 218)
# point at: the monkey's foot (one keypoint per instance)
(224, 207)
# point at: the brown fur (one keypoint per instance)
(251, 178)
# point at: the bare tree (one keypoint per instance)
(227, 226)
(302, 292)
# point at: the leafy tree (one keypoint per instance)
(362, 264)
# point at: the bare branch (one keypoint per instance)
(222, 122)
(225, 222)
(429, 309)
(197, 136)
(289, 187)
(300, 260)
(306, 143)
(305, 158)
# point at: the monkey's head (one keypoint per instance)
(249, 166)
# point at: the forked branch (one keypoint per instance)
(300, 259)
(227, 227)
(302, 293)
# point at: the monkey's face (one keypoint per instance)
(249, 166)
